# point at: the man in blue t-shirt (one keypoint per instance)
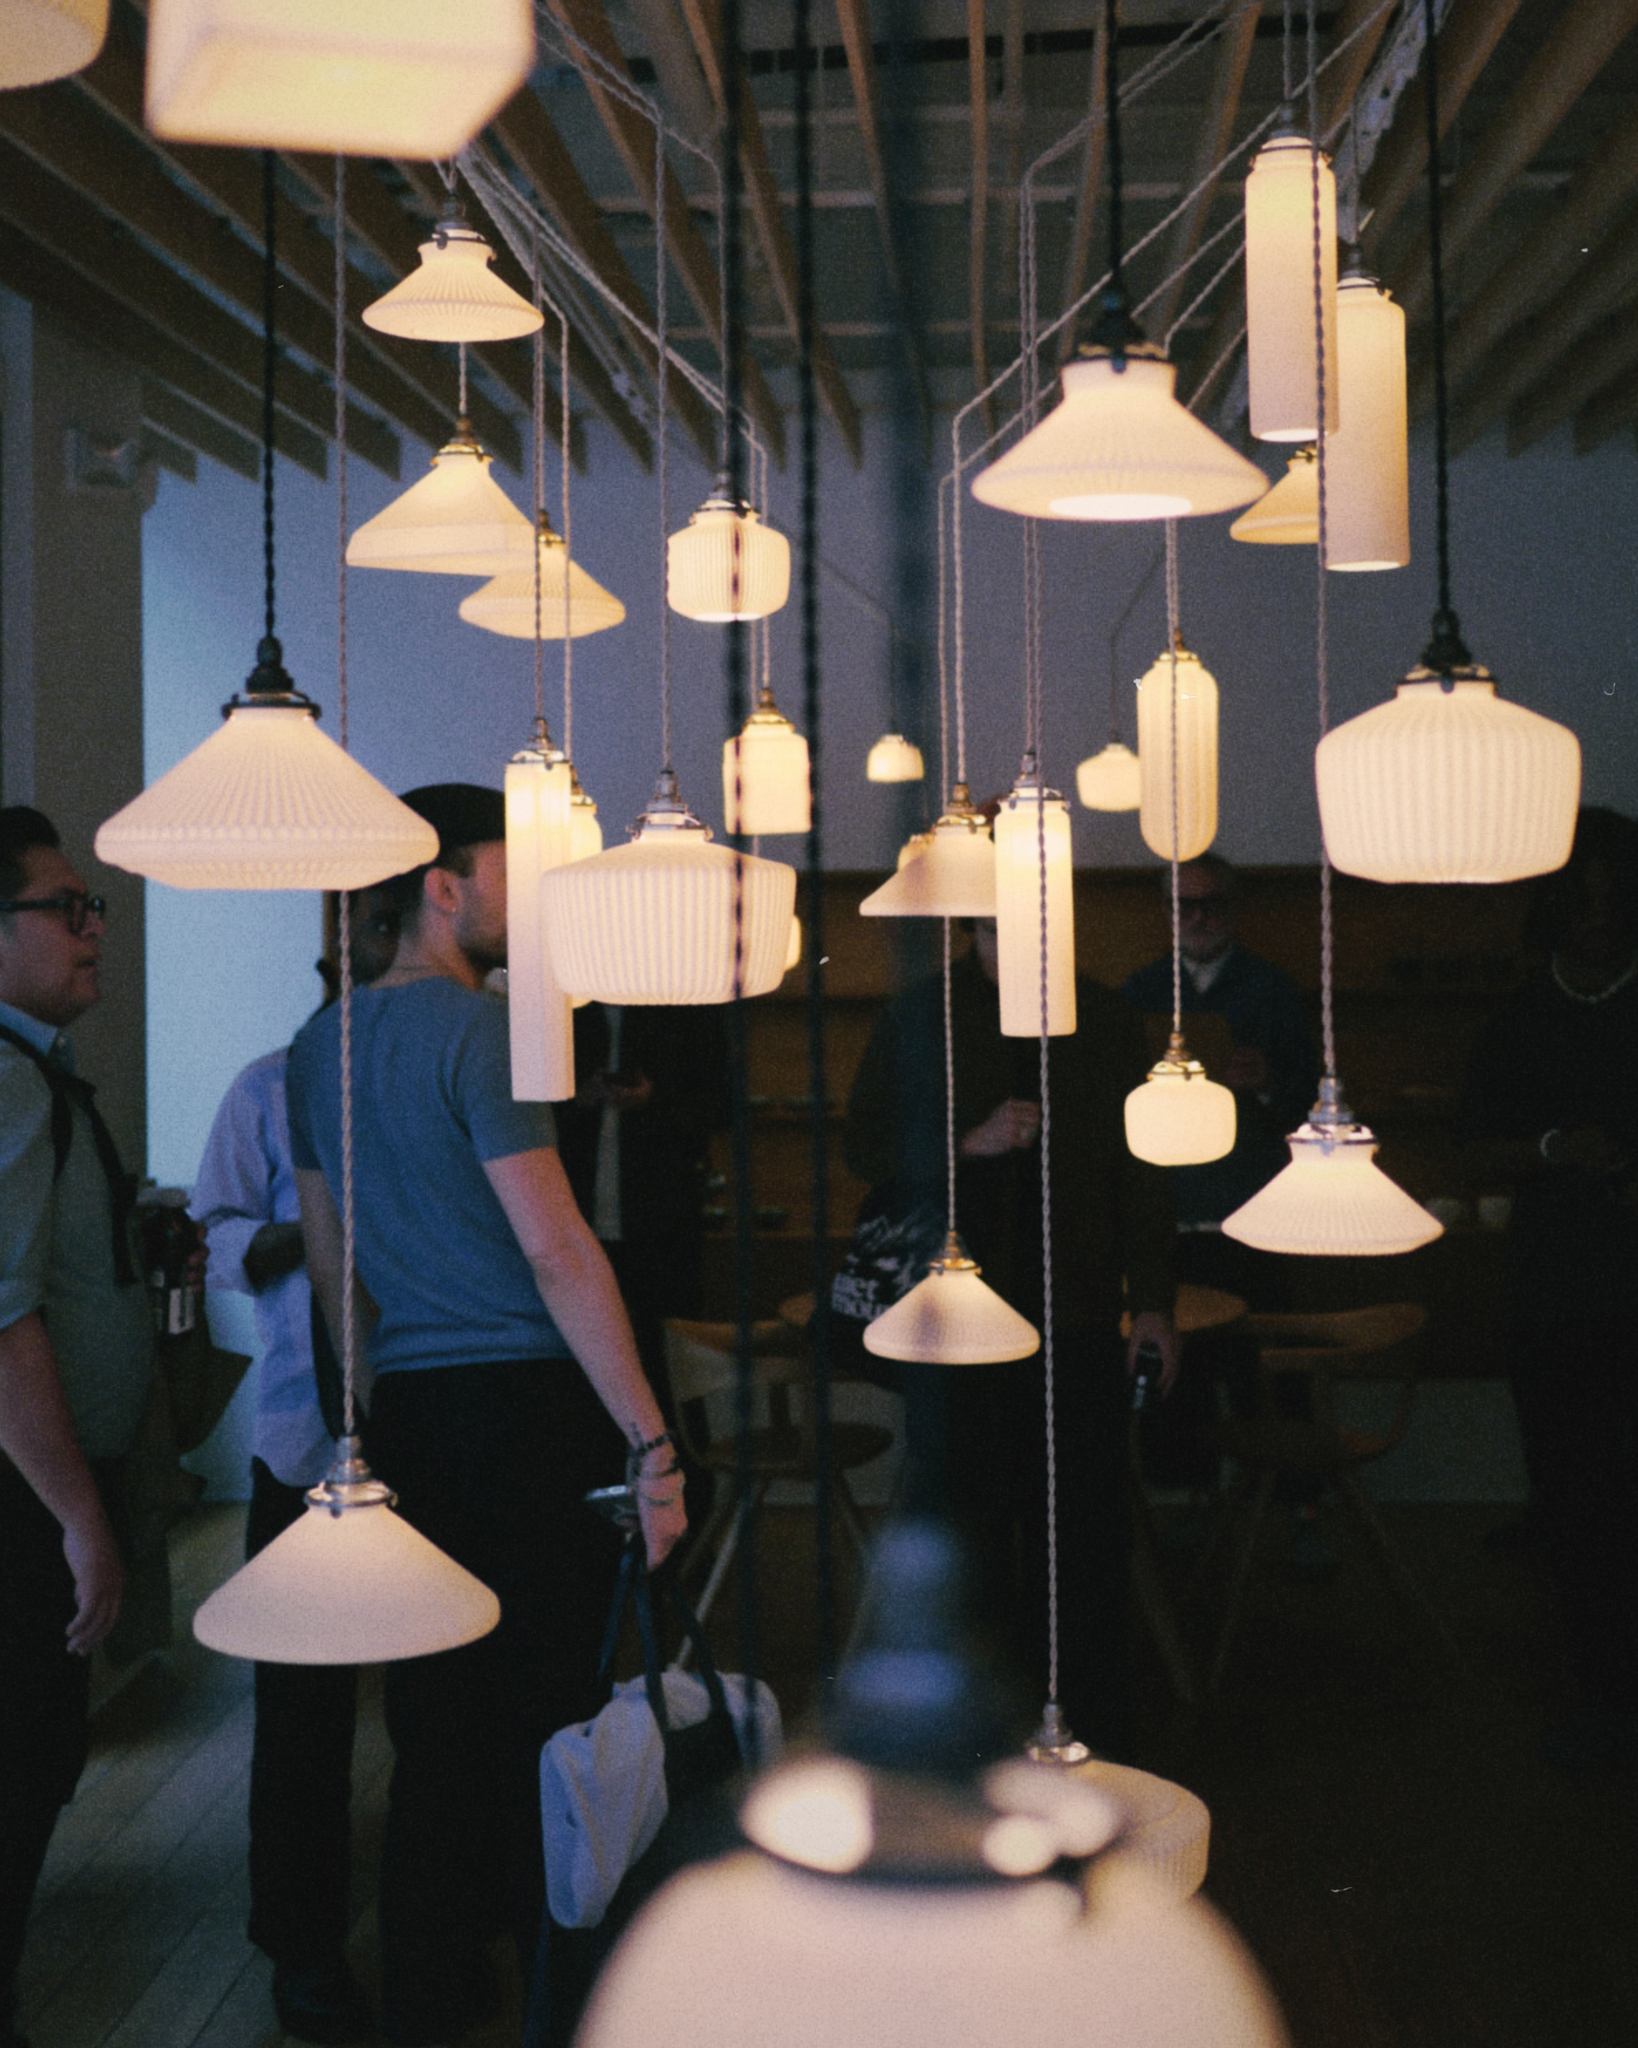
(506, 1385)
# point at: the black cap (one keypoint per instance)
(461, 813)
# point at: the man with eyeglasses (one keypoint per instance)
(76, 1359)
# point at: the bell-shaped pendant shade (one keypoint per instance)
(585, 833)
(1289, 515)
(267, 802)
(952, 876)
(45, 39)
(1178, 1117)
(1119, 447)
(1448, 785)
(726, 565)
(894, 759)
(1280, 290)
(1196, 757)
(1332, 1201)
(1018, 832)
(457, 521)
(951, 1318)
(655, 921)
(766, 787)
(453, 295)
(539, 787)
(1110, 781)
(384, 78)
(1367, 486)
(506, 603)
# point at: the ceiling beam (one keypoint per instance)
(166, 410)
(1212, 138)
(978, 94)
(170, 453)
(1086, 200)
(1602, 358)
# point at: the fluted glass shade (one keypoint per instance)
(951, 1318)
(1367, 486)
(1196, 823)
(1451, 785)
(45, 39)
(725, 565)
(766, 787)
(1018, 913)
(1280, 291)
(267, 802)
(538, 792)
(1332, 1201)
(387, 78)
(506, 603)
(453, 295)
(1119, 447)
(952, 876)
(585, 833)
(1289, 515)
(457, 521)
(1177, 1117)
(894, 759)
(1110, 781)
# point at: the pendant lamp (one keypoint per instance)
(452, 294)
(1367, 478)
(951, 1318)
(1332, 1200)
(383, 78)
(913, 848)
(538, 804)
(457, 521)
(793, 950)
(1280, 327)
(506, 604)
(725, 565)
(1111, 780)
(1288, 515)
(894, 759)
(1177, 1117)
(952, 876)
(766, 787)
(46, 39)
(1195, 754)
(1018, 826)
(585, 834)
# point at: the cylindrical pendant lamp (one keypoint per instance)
(1196, 753)
(507, 603)
(1289, 515)
(1280, 334)
(766, 786)
(453, 295)
(726, 565)
(952, 876)
(951, 1318)
(1177, 1117)
(1018, 831)
(1367, 479)
(1111, 780)
(585, 833)
(46, 39)
(538, 795)
(894, 759)
(457, 521)
(793, 952)
(1332, 1201)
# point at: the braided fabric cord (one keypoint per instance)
(1173, 628)
(344, 918)
(1322, 636)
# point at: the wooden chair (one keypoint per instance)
(1380, 1343)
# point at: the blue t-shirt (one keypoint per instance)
(432, 1100)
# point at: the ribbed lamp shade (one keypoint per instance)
(1450, 785)
(1280, 291)
(390, 78)
(538, 793)
(1110, 781)
(952, 876)
(1196, 757)
(766, 787)
(457, 521)
(725, 565)
(951, 1318)
(585, 833)
(1332, 1201)
(45, 39)
(1367, 487)
(1289, 515)
(267, 802)
(506, 603)
(894, 759)
(1177, 1117)
(1119, 447)
(453, 295)
(1018, 913)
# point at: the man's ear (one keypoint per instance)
(442, 890)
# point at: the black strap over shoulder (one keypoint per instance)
(67, 1089)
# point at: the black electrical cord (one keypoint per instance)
(1446, 651)
(1111, 118)
(268, 677)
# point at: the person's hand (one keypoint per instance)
(1012, 1127)
(1151, 1327)
(99, 1582)
(1248, 1068)
(1586, 1148)
(660, 1514)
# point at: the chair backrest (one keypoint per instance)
(701, 1359)
(1382, 1342)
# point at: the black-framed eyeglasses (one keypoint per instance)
(73, 906)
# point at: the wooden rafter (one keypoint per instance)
(168, 411)
(1212, 138)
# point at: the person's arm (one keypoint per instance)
(577, 1285)
(233, 1194)
(321, 1233)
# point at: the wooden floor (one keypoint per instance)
(1384, 1835)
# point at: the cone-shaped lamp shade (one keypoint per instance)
(1289, 515)
(725, 564)
(1110, 781)
(1332, 1201)
(1196, 757)
(1367, 487)
(1178, 1117)
(894, 759)
(392, 78)
(1448, 786)
(457, 521)
(267, 802)
(765, 782)
(1280, 290)
(1119, 447)
(506, 603)
(952, 876)
(585, 833)
(1018, 912)
(538, 790)
(453, 295)
(951, 1318)
(45, 39)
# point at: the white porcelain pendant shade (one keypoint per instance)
(1196, 821)
(585, 833)
(46, 39)
(1448, 785)
(913, 848)
(539, 793)
(457, 521)
(725, 565)
(1367, 477)
(506, 603)
(1280, 291)
(894, 759)
(1110, 781)
(1177, 1116)
(1289, 515)
(1119, 447)
(267, 802)
(951, 1318)
(952, 876)
(1332, 1201)
(453, 295)
(766, 786)
(385, 78)
(1019, 827)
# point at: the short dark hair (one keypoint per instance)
(21, 829)
(464, 815)
(403, 893)
(1221, 871)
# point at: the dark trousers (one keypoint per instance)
(300, 1779)
(491, 1463)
